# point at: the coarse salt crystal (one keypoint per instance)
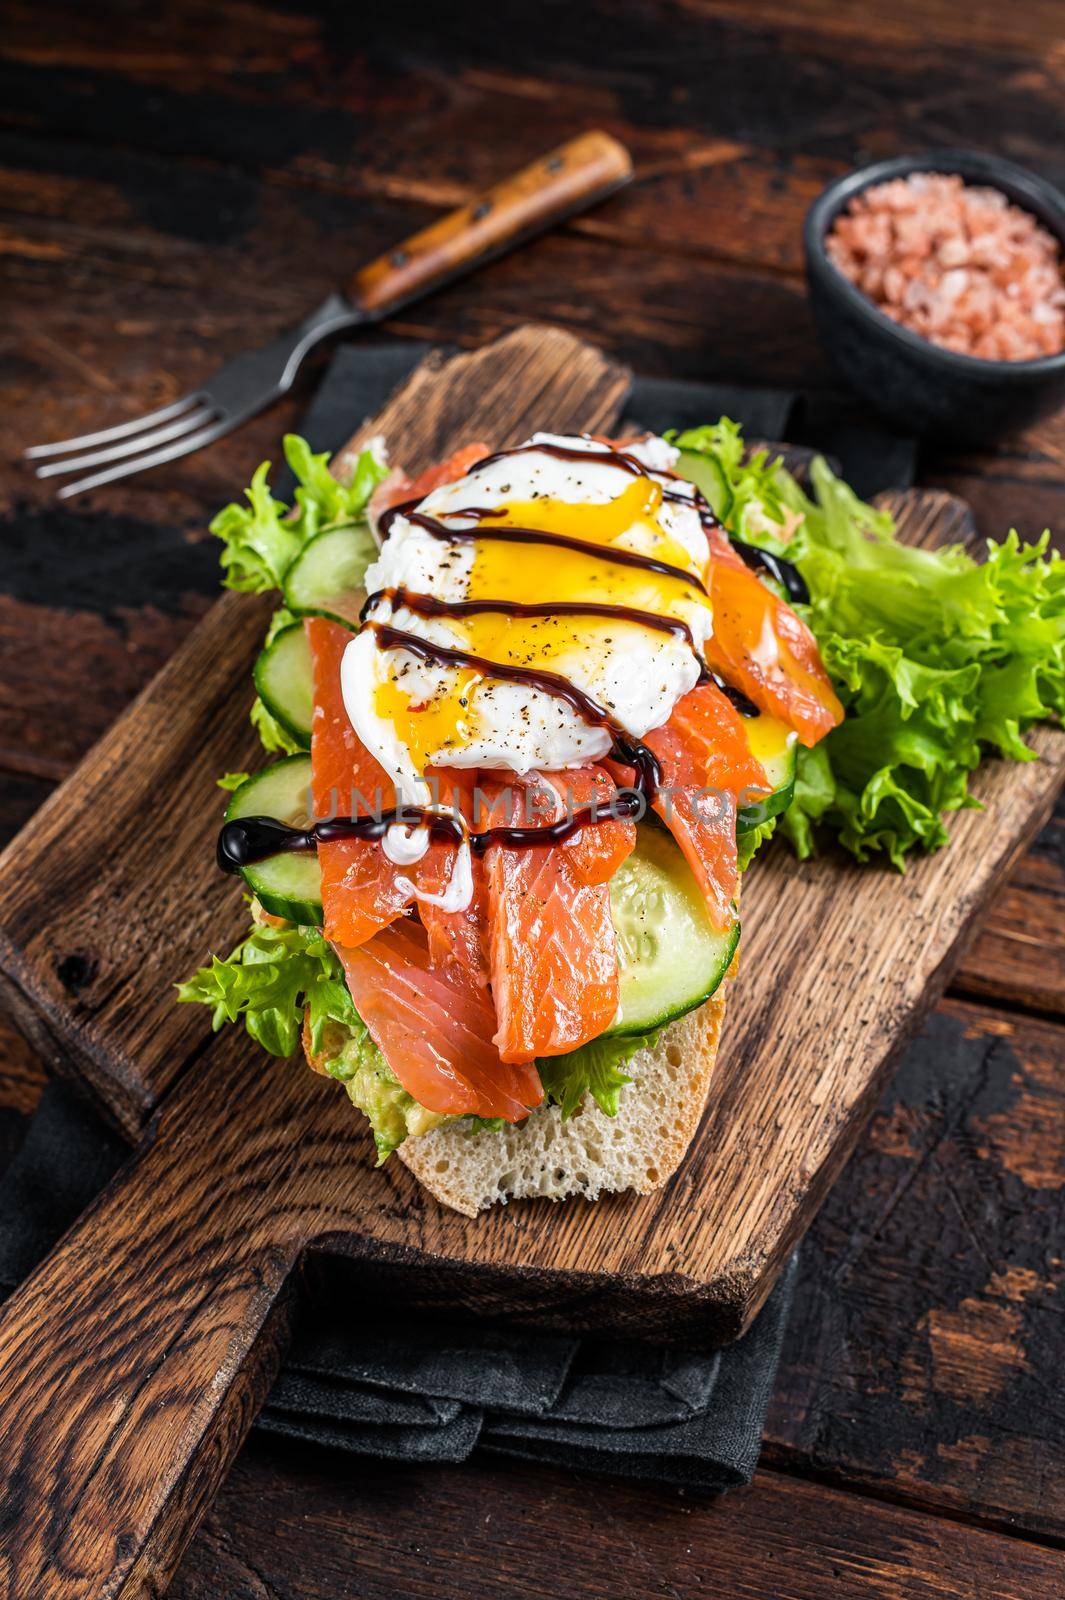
(958, 264)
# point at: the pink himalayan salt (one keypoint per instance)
(957, 264)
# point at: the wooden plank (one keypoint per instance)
(1017, 954)
(311, 1525)
(925, 1339)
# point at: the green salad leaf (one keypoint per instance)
(748, 842)
(268, 980)
(936, 657)
(594, 1069)
(273, 735)
(262, 539)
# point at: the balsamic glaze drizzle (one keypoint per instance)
(427, 605)
(251, 839)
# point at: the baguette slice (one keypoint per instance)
(591, 1153)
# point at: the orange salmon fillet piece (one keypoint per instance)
(706, 768)
(434, 1027)
(551, 939)
(398, 488)
(359, 895)
(458, 936)
(359, 890)
(760, 646)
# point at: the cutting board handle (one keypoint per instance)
(132, 1363)
(572, 177)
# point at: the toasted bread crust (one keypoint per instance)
(656, 1122)
(590, 1154)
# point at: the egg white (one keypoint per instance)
(638, 678)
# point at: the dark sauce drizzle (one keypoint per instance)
(251, 839)
(564, 541)
(427, 605)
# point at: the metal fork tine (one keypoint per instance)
(121, 430)
(170, 452)
(131, 447)
(240, 388)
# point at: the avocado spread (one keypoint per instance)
(394, 1115)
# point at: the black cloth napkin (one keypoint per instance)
(421, 1387)
(425, 1388)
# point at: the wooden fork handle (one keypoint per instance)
(572, 177)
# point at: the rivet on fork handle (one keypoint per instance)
(573, 176)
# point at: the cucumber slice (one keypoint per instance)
(325, 580)
(287, 885)
(283, 680)
(670, 957)
(773, 744)
(708, 476)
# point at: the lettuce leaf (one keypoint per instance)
(272, 735)
(938, 659)
(268, 980)
(748, 842)
(594, 1069)
(262, 539)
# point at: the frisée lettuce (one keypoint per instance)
(261, 540)
(936, 657)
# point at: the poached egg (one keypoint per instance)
(413, 714)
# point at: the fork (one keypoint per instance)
(571, 178)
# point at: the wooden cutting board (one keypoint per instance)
(133, 1360)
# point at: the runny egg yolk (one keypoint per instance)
(547, 574)
(428, 726)
(767, 737)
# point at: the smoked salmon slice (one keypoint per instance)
(595, 852)
(551, 939)
(398, 488)
(760, 646)
(457, 936)
(707, 772)
(360, 893)
(434, 1028)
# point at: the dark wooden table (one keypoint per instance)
(178, 180)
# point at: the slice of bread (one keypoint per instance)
(590, 1153)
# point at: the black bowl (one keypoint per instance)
(920, 387)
